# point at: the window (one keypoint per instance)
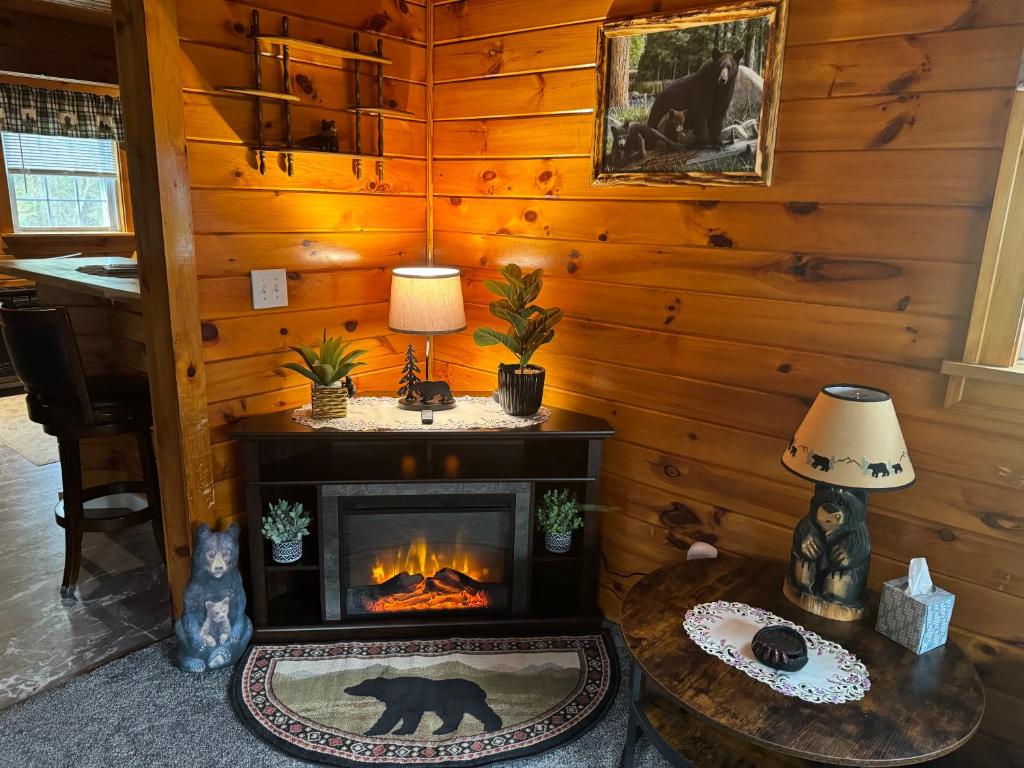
(993, 353)
(62, 183)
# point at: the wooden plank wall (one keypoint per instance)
(336, 235)
(58, 48)
(701, 321)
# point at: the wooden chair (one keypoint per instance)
(72, 406)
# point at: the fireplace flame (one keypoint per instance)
(418, 557)
(433, 579)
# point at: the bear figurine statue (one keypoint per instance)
(213, 629)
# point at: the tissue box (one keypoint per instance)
(917, 622)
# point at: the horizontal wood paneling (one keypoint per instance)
(928, 287)
(62, 49)
(229, 120)
(236, 254)
(938, 177)
(216, 210)
(946, 234)
(810, 21)
(881, 65)
(218, 165)
(226, 23)
(701, 321)
(336, 235)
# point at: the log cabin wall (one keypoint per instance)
(337, 235)
(59, 48)
(702, 321)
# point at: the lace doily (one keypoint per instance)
(382, 414)
(832, 675)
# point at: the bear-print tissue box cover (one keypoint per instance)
(917, 622)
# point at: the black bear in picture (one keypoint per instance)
(897, 469)
(880, 469)
(213, 629)
(820, 462)
(792, 450)
(831, 547)
(705, 95)
(430, 393)
(407, 699)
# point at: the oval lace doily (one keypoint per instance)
(832, 675)
(379, 414)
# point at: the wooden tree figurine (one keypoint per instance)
(409, 371)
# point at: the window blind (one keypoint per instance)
(29, 153)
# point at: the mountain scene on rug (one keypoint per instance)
(511, 693)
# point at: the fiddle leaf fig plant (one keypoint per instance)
(328, 364)
(529, 325)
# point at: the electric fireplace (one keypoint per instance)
(407, 549)
(421, 533)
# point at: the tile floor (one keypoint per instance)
(124, 601)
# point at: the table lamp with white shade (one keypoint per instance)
(849, 444)
(427, 301)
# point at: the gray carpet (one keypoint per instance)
(141, 711)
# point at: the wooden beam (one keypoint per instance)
(147, 49)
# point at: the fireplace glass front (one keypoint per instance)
(413, 552)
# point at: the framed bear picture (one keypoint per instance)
(690, 98)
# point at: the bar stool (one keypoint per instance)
(72, 406)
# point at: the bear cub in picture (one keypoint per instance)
(213, 629)
(407, 699)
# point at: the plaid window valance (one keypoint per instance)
(51, 112)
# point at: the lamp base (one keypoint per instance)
(419, 406)
(821, 607)
(428, 396)
(828, 564)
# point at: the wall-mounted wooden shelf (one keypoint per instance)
(308, 151)
(287, 44)
(275, 95)
(327, 50)
(383, 111)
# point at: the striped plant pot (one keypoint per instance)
(520, 392)
(286, 551)
(558, 543)
(330, 402)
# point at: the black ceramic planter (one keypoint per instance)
(520, 394)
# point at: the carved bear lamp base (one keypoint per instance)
(849, 444)
(828, 564)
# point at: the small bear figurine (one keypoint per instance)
(325, 141)
(216, 627)
(831, 547)
(213, 629)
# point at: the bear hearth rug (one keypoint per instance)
(442, 702)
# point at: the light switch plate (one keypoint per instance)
(269, 288)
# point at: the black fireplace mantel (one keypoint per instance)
(325, 468)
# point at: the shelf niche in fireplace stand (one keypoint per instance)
(421, 533)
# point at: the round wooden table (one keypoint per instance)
(918, 708)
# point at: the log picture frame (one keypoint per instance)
(690, 97)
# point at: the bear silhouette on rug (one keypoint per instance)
(213, 629)
(407, 699)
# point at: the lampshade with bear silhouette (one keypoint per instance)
(851, 438)
(848, 444)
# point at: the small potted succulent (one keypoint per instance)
(520, 385)
(558, 515)
(328, 367)
(284, 525)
